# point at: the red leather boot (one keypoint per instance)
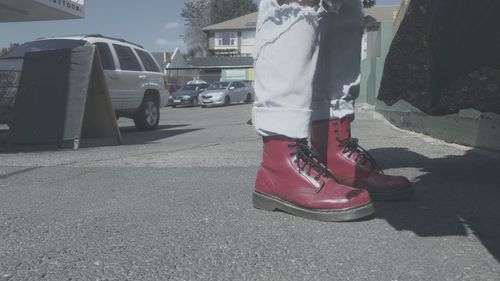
(292, 180)
(351, 164)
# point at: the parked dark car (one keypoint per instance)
(188, 95)
(172, 88)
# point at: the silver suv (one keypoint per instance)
(135, 82)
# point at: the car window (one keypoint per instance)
(190, 87)
(218, 86)
(204, 86)
(44, 45)
(147, 61)
(106, 56)
(127, 58)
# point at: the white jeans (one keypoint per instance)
(307, 65)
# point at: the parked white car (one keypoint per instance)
(136, 84)
(226, 93)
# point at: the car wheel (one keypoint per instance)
(148, 115)
(174, 106)
(227, 100)
(195, 102)
(249, 98)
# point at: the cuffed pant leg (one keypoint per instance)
(285, 62)
(337, 77)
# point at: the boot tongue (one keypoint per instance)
(352, 150)
(344, 129)
(307, 160)
(351, 146)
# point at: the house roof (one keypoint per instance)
(160, 59)
(221, 62)
(244, 22)
(377, 13)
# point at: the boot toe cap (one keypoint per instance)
(343, 197)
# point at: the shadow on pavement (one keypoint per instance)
(223, 105)
(8, 175)
(132, 136)
(131, 128)
(456, 196)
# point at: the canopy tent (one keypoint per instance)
(37, 10)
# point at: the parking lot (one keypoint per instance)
(175, 204)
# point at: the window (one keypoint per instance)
(239, 85)
(226, 39)
(204, 86)
(218, 86)
(248, 38)
(127, 58)
(235, 85)
(190, 87)
(106, 56)
(147, 61)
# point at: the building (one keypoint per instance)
(234, 37)
(178, 72)
(209, 69)
(374, 17)
(37, 10)
(231, 45)
(380, 22)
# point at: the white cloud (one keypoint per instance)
(162, 42)
(169, 43)
(172, 25)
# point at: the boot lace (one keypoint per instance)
(351, 147)
(309, 158)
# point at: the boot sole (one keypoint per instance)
(268, 203)
(404, 194)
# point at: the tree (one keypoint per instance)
(223, 10)
(196, 17)
(12, 46)
(202, 13)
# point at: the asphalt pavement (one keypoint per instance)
(175, 204)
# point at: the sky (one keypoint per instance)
(154, 24)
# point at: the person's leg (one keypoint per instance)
(336, 80)
(290, 178)
(285, 62)
(336, 87)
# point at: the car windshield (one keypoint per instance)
(218, 86)
(43, 45)
(190, 87)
